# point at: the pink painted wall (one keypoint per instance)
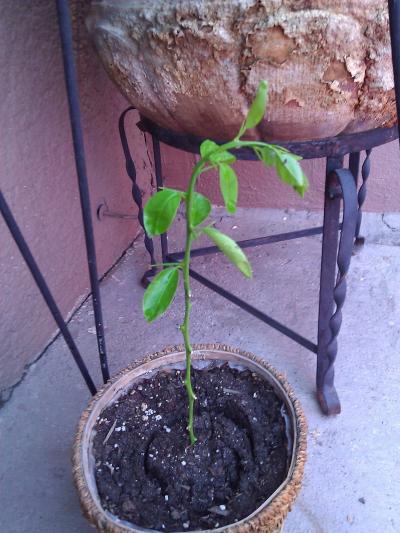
(37, 176)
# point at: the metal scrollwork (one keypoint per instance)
(136, 193)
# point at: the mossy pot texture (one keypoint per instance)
(268, 518)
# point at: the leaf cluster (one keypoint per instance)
(161, 209)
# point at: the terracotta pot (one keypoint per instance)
(270, 515)
(193, 65)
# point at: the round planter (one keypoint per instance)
(193, 66)
(270, 515)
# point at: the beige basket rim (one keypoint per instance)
(267, 518)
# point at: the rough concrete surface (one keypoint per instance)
(351, 480)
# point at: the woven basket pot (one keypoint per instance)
(269, 517)
(193, 66)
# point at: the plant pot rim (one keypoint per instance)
(268, 516)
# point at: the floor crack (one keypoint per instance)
(387, 223)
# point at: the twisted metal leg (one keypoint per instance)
(339, 183)
(137, 195)
(354, 165)
(362, 194)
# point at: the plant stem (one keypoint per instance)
(158, 265)
(237, 143)
(186, 282)
(186, 338)
(190, 236)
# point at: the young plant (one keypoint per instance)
(161, 209)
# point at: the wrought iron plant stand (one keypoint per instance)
(341, 186)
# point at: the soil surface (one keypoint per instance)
(147, 473)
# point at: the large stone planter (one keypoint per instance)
(193, 65)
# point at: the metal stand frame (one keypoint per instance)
(341, 186)
(44, 290)
(64, 20)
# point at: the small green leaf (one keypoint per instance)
(222, 157)
(286, 165)
(209, 150)
(302, 188)
(290, 171)
(160, 211)
(201, 208)
(257, 108)
(295, 156)
(207, 147)
(160, 293)
(228, 183)
(232, 251)
(267, 155)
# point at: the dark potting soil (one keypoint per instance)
(147, 473)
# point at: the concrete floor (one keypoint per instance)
(352, 475)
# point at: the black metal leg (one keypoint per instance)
(339, 183)
(44, 290)
(160, 183)
(362, 194)
(64, 21)
(354, 165)
(394, 24)
(327, 395)
(137, 194)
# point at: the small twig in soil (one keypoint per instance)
(231, 391)
(110, 467)
(109, 433)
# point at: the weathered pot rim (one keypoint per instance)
(268, 516)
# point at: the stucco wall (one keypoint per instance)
(37, 176)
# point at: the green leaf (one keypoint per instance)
(267, 155)
(290, 171)
(295, 156)
(232, 251)
(303, 188)
(201, 208)
(228, 183)
(160, 211)
(208, 149)
(160, 293)
(257, 108)
(286, 165)
(222, 157)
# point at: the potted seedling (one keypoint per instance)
(195, 437)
